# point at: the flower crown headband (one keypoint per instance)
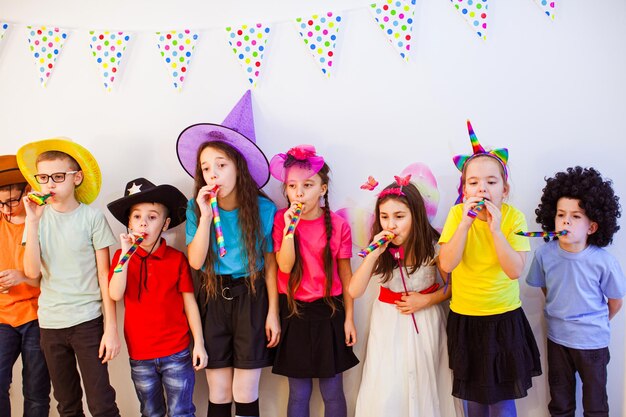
(301, 156)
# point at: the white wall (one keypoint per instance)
(553, 92)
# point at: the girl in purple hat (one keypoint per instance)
(238, 300)
(314, 269)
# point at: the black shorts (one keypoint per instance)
(234, 325)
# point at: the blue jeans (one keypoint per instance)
(24, 340)
(175, 375)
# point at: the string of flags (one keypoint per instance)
(319, 33)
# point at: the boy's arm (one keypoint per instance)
(12, 277)
(615, 304)
(272, 322)
(199, 357)
(32, 252)
(110, 343)
(345, 274)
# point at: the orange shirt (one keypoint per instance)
(19, 305)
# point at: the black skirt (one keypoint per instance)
(493, 358)
(313, 345)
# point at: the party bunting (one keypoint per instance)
(108, 48)
(548, 7)
(248, 43)
(395, 18)
(176, 48)
(46, 45)
(475, 13)
(319, 33)
(3, 28)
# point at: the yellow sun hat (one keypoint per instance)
(88, 190)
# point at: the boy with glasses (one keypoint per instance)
(67, 248)
(19, 328)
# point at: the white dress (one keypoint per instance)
(406, 374)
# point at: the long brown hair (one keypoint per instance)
(295, 277)
(249, 219)
(420, 245)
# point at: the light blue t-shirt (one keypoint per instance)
(578, 285)
(234, 263)
(70, 293)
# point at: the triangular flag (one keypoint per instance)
(248, 43)
(176, 48)
(320, 36)
(475, 13)
(548, 7)
(108, 48)
(395, 18)
(3, 28)
(46, 45)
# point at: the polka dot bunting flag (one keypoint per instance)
(548, 7)
(475, 13)
(46, 45)
(176, 48)
(107, 49)
(249, 43)
(319, 33)
(395, 18)
(3, 28)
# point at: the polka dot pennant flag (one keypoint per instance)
(46, 45)
(3, 28)
(548, 7)
(107, 48)
(475, 13)
(176, 48)
(249, 43)
(395, 18)
(319, 33)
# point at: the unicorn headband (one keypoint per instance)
(371, 184)
(501, 155)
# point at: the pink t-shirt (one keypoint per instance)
(311, 236)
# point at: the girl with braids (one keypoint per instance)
(313, 274)
(583, 284)
(237, 298)
(406, 369)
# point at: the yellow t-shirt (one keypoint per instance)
(479, 285)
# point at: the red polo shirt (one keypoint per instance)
(155, 324)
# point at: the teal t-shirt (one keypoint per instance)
(234, 262)
(70, 293)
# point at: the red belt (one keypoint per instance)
(390, 297)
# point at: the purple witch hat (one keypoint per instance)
(237, 130)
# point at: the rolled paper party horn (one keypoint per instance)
(40, 200)
(376, 245)
(542, 234)
(474, 212)
(219, 232)
(131, 251)
(294, 219)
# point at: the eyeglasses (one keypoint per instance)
(56, 177)
(12, 203)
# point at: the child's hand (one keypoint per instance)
(379, 251)
(199, 356)
(33, 210)
(412, 302)
(272, 330)
(109, 346)
(126, 241)
(494, 216)
(350, 331)
(470, 203)
(203, 197)
(10, 278)
(289, 213)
